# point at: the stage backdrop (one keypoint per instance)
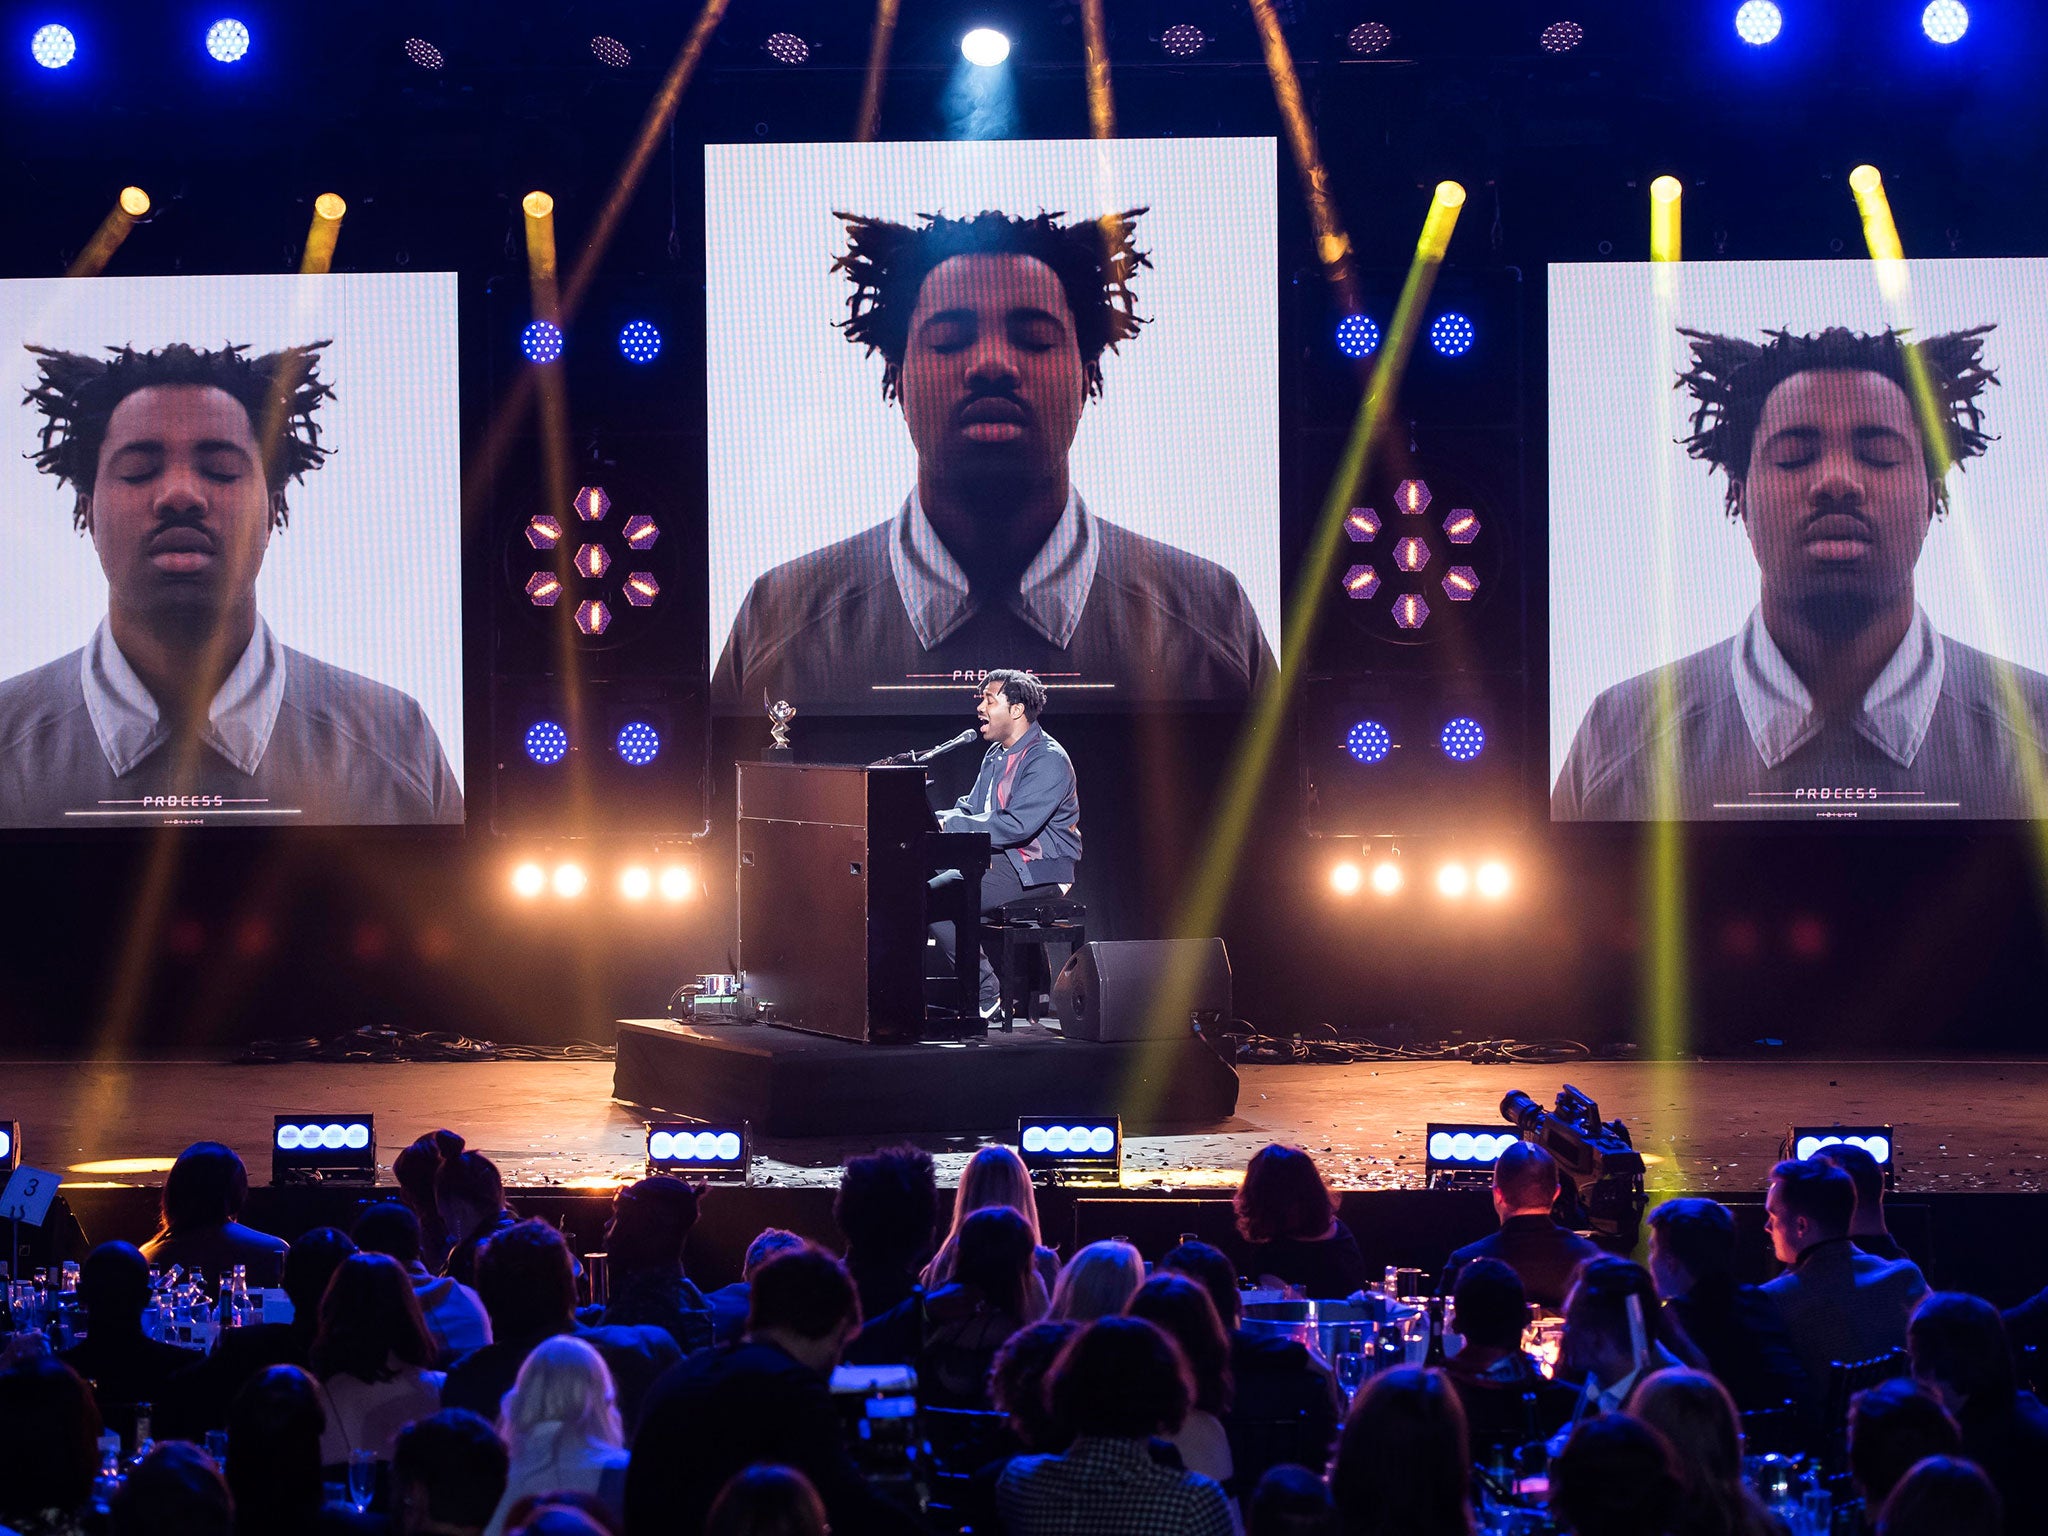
(1181, 447)
(367, 575)
(1617, 465)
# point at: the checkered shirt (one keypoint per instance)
(1104, 1487)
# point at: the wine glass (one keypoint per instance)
(362, 1479)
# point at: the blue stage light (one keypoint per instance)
(546, 743)
(1369, 742)
(639, 743)
(1463, 739)
(1758, 22)
(1945, 21)
(639, 341)
(985, 46)
(541, 341)
(1451, 334)
(1357, 336)
(227, 40)
(53, 46)
(1069, 1151)
(717, 1153)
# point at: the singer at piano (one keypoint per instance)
(1028, 802)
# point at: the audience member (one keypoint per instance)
(528, 1282)
(1959, 1352)
(176, 1490)
(643, 1244)
(1697, 1418)
(1942, 1496)
(447, 1475)
(200, 1227)
(1839, 1303)
(887, 1205)
(1291, 1501)
(966, 1321)
(415, 1168)
(1507, 1400)
(371, 1358)
(767, 1500)
(1615, 1334)
(1403, 1465)
(729, 1302)
(1016, 1384)
(1867, 1228)
(49, 1447)
(274, 1429)
(453, 1312)
(562, 1513)
(1736, 1327)
(470, 1195)
(1530, 1242)
(1181, 1309)
(561, 1424)
(993, 1176)
(124, 1367)
(1286, 1212)
(1614, 1478)
(766, 1398)
(1892, 1426)
(1099, 1281)
(1118, 1382)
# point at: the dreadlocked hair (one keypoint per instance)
(77, 395)
(1731, 378)
(1094, 260)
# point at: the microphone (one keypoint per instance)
(912, 759)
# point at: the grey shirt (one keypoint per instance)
(287, 739)
(1944, 731)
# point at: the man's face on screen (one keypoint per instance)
(991, 379)
(180, 510)
(1837, 500)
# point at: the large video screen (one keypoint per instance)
(992, 404)
(230, 526)
(1798, 569)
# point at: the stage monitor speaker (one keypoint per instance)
(1105, 990)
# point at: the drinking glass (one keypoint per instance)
(1351, 1373)
(217, 1447)
(362, 1479)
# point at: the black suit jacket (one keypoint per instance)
(1739, 1330)
(2010, 1442)
(1534, 1247)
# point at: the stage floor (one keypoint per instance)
(1961, 1126)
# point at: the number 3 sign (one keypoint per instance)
(28, 1195)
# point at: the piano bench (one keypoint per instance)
(1020, 930)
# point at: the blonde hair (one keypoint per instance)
(1099, 1281)
(993, 1176)
(566, 1382)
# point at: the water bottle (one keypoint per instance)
(144, 1441)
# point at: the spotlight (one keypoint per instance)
(53, 46)
(1945, 21)
(1758, 22)
(1183, 40)
(330, 206)
(1411, 555)
(1411, 609)
(1462, 739)
(1369, 742)
(1413, 497)
(717, 1154)
(676, 883)
(537, 205)
(541, 341)
(1451, 334)
(323, 1149)
(1454, 880)
(636, 882)
(639, 341)
(227, 41)
(592, 502)
(1369, 38)
(592, 562)
(543, 589)
(546, 743)
(1346, 878)
(1065, 1150)
(570, 880)
(786, 48)
(1461, 1156)
(640, 589)
(544, 531)
(610, 52)
(423, 54)
(1361, 525)
(529, 880)
(985, 46)
(1491, 879)
(1461, 583)
(134, 202)
(1386, 877)
(1803, 1141)
(593, 617)
(1561, 37)
(639, 743)
(1357, 336)
(640, 532)
(10, 1145)
(1462, 526)
(1361, 581)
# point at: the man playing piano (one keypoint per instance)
(1026, 799)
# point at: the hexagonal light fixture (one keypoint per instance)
(1411, 555)
(1362, 525)
(1461, 583)
(1462, 525)
(641, 589)
(592, 503)
(640, 532)
(1412, 497)
(1361, 581)
(593, 617)
(543, 589)
(544, 532)
(1410, 610)
(592, 562)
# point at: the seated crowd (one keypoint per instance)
(437, 1376)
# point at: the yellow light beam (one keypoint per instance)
(879, 42)
(1095, 41)
(129, 209)
(328, 211)
(539, 211)
(1667, 196)
(1333, 245)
